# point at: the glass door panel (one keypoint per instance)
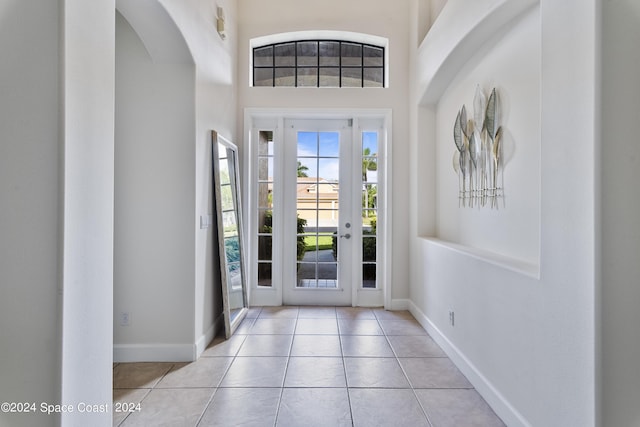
(319, 158)
(317, 201)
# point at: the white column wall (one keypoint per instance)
(57, 143)
(87, 277)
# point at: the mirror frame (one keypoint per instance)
(230, 322)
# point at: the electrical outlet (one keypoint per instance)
(452, 318)
(125, 319)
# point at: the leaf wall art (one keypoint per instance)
(478, 156)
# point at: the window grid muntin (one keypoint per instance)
(340, 67)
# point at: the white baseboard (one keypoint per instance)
(208, 336)
(483, 386)
(400, 304)
(123, 353)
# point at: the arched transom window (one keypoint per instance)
(319, 63)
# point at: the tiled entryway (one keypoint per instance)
(307, 366)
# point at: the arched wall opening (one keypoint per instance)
(154, 204)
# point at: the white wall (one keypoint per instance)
(30, 216)
(259, 18)
(527, 344)
(154, 201)
(215, 104)
(620, 213)
(167, 109)
(436, 8)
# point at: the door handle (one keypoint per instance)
(346, 236)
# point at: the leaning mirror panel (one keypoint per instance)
(226, 185)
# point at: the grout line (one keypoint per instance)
(204, 411)
(344, 367)
(413, 390)
(149, 390)
(217, 386)
(286, 368)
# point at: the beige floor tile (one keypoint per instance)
(415, 346)
(359, 327)
(374, 373)
(386, 407)
(139, 375)
(284, 312)
(170, 407)
(205, 372)
(266, 345)
(311, 407)
(457, 408)
(315, 372)
(245, 326)
(273, 327)
(224, 347)
(125, 400)
(317, 313)
(292, 365)
(317, 327)
(402, 327)
(366, 346)
(433, 372)
(246, 407)
(253, 312)
(316, 345)
(382, 314)
(255, 372)
(360, 313)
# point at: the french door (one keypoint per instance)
(318, 222)
(317, 212)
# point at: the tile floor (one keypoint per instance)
(307, 366)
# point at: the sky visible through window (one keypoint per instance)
(370, 141)
(320, 152)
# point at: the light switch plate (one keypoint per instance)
(205, 221)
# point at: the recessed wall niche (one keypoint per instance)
(508, 61)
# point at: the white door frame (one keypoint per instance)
(256, 119)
